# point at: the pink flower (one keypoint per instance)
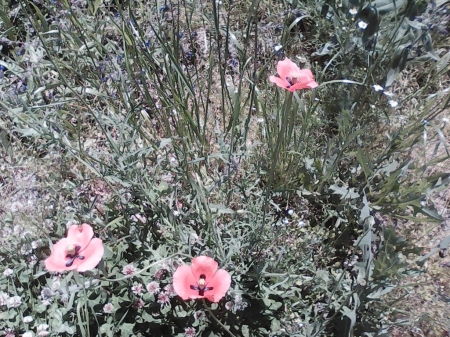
(201, 280)
(79, 251)
(292, 77)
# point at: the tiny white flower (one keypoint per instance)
(3, 298)
(28, 319)
(8, 272)
(301, 223)
(56, 285)
(362, 25)
(377, 87)
(28, 334)
(229, 305)
(278, 47)
(108, 308)
(14, 302)
(445, 120)
(16, 206)
(42, 327)
(353, 11)
(43, 333)
(71, 222)
(193, 238)
(18, 230)
(393, 103)
(9, 333)
(36, 244)
(388, 94)
(47, 302)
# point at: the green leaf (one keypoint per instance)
(351, 314)
(345, 192)
(398, 64)
(220, 209)
(275, 325)
(126, 329)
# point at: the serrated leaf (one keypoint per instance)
(220, 209)
(345, 192)
(325, 50)
(164, 141)
(443, 62)
(351, 314)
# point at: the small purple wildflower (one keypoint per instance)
(153, 287)
(163, 299)
(189, 332)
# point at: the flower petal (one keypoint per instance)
(305, 80)
(57, 260)
(203, 265)
(80, 235)
(280, 82)
(182, 281)
(221, 283)
(286, 68)
(93, 253)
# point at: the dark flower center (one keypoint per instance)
(291, 81)
(72, 254)
(201, 285)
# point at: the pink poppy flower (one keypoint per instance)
(292, 77)
(201, 280)
(79, 251)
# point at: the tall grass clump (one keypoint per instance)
(153, 127)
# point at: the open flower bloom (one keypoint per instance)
(78, 251)
(201, 280)
(292, 77)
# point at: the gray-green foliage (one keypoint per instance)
(159, 102)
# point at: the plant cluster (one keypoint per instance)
(180, 192)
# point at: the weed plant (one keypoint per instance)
(155, 122)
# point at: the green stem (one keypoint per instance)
(143, 269)
(280, 141)
(215, 318)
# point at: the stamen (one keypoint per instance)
(72, 254)
(201, 285)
